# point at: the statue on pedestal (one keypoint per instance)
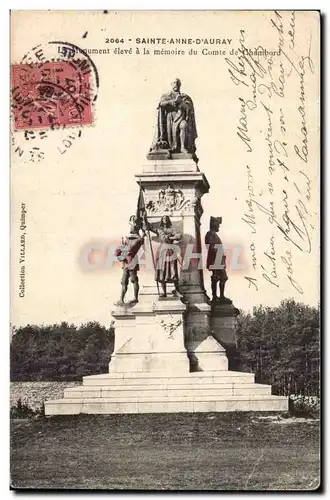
(166, 261)
(126, 254)
(219, 274)
(176, 127)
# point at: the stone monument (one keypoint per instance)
(172, 342)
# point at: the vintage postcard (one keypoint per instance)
(165, 239)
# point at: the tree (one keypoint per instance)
(282, 345)
(60, 351)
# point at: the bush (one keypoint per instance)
(304, 406)
(21, 410)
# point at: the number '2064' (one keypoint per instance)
(114, 40)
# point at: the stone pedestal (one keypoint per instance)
(223, 327)
(149, 338)
(209, 356)
(223, 322)
(152, 337)
(175, 187)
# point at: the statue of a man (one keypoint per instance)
(127, 254)
(166, 260)
(218, 269)
(176, 126)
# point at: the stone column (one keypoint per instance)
(223, 327)
(175, 187)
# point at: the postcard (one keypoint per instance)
(165, 250)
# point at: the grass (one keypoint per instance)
(214, 451)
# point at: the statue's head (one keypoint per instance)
(134, 224)
(215, 223)
(176, 84)
(165, 221)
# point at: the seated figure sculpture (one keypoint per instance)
(176, 125)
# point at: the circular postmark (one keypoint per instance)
(53, 88)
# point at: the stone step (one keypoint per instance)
(141, 378)
(140, 391)
(173, 404)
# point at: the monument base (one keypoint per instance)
(223, 322)
(150, 339)
(223, 328)
(212, 391)
(165, 334)
(166, 154)
(149, 371)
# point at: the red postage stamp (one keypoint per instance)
(51, 94)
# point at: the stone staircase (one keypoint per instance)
(212, 391)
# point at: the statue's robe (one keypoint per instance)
(166, 265)
(171, 116)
